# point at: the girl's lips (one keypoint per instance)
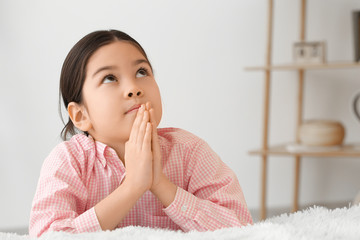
(133, 108)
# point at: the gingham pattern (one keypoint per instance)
(81, 172)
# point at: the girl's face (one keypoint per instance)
(118, 79)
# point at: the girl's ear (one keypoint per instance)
(79, 116)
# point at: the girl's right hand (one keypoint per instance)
(138, 154)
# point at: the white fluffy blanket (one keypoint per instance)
(313, 223)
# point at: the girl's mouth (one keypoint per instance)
(133, 108)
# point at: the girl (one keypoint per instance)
(118, 169)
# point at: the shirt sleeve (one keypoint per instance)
(213, 198)
(60, 199)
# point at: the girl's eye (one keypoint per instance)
(142, 72)
(109, 79)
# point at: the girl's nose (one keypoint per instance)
(134, 92)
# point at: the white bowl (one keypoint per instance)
(321, 133)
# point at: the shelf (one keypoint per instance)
(290, 149)
(285, 67)
(348, 150)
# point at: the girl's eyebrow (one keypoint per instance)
(136, 62)
(139, 61)
(104, 68)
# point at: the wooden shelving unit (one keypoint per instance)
(349, 150)
(291, 67)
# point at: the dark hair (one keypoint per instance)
(73, 72)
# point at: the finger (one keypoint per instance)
(152, 120)
(136, 124)
(155, 143)
(135, 127)
(147, 137)
(142, 129)
(155, 138)
(152, 117)
(148, 106)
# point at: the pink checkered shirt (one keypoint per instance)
(81, 172)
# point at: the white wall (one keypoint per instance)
(199, 50)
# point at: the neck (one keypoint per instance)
(120, 151)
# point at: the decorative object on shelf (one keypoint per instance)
(356, 27)
(321, 133)
(309, 52)
(356, 107)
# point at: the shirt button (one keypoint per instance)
(184, 208)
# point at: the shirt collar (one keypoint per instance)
(105, 153)
(101, 152)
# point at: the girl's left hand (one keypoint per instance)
(161, 186)
(155, 145)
